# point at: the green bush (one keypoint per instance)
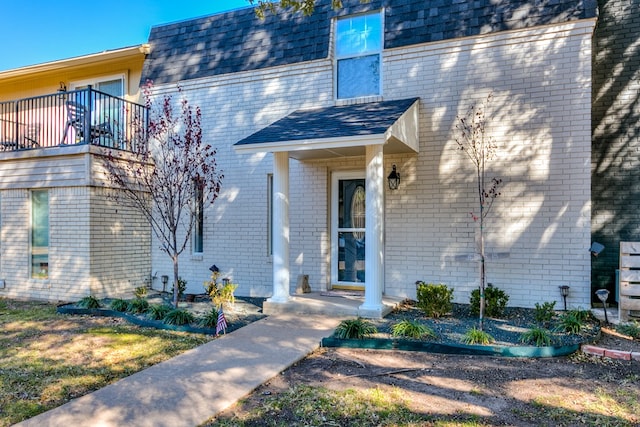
(412, 329)
(88, 302)
(119, 305)
(631, 329)
(355, 329)
(138, 305)
(495, 301)
(537, 336)
(477, 336)
(158, 311)
(434, 299)
(545, 312)
(210, 319)
(178, 317)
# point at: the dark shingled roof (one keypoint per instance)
(373, 118)
(238, 41)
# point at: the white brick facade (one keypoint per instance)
(540, 117)
(96, 247)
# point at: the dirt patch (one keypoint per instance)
(486, 390)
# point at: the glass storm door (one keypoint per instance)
(348, 231)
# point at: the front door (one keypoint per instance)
(348, 230)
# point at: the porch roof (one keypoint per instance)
(340, 131)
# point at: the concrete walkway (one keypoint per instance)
(190, 388)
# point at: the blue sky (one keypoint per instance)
(40, 31)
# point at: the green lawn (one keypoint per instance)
(47, 358)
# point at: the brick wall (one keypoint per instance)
(540, 117)
(616, 135)
(95, 247)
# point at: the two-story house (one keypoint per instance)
(312, 116)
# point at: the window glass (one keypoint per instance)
(358, 35)
(358, 76)
(198, 230)
(357, 50)
(40, 234)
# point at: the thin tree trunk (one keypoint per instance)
(176, 289)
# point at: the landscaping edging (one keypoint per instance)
(104, 312)
(458, 349)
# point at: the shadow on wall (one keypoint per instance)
(615, 159)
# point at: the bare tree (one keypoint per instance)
(480, 148)
(170, 177)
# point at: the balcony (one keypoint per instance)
(72, 118)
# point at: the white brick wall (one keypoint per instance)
(540, 118)
(95, 246)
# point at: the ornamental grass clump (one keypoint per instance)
(537, 336)
(412, 329)
(355, 329)
(631, 329)
(210, 319)
(158, 311)
(476, 336)
(573, 321)
(178, 317)
(119, 305)
(88, 302)
(138, 306)
(435, 300)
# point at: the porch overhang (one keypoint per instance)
(339, 131)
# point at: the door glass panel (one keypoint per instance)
(351, 231)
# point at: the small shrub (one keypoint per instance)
(138, 305)
(3, 304)
(545, 312)
(476, 336)
(140, 292)
(573, 321)
(412, 329)
(119, 305)
(221, 294)
(355, 329)
(178, 317)
(631, 329)
(210, 319)
(158, 311)
(536, 336)
(88, 302)
(182, 286)
(495, 301)
(434, 300)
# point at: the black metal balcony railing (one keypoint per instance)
(84, 116)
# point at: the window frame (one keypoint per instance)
(337, 58)
(197, 235)
(42, 274)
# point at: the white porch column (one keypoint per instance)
(281, 274)
(374, 233)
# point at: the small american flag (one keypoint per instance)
(221, 324)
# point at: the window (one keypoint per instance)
(40, 234)
(269, 214)
(358, 55)
(198, 228)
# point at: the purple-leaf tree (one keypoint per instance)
(170, 176)
(480, 148)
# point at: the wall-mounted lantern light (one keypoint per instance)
(394, 179)
(61, 91)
